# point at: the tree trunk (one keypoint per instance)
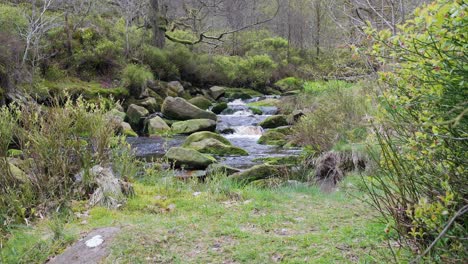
(159, 31)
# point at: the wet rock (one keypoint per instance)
(215, 147)
(156, 126)
(194, 125)
(269, 110)
(136, 114)
(256, 173)
(273, 138)
(179, 109)
(217, 92)
(199, 136)
(219, 108)
(274, 121)
(189, 158)
(200, 102)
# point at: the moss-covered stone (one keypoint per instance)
(274, 121)
(272, 138)
(215, 147)
(219, 108)
(127, 130)
(189, 158)
(116, 115)
(200, 102)
(156, 126)
(151, 104)
(217, 168)
(290, 84)
(136, 114)
(199, 136)
(217, 92)
(179, 109)
(256, 110)
(287, 160)
(194, 125)
(256, 173)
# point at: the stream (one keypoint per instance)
(238, 124)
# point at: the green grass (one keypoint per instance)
(225, 223)
(319, 87)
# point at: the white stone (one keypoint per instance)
(95, 241)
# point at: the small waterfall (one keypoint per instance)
(254, 132)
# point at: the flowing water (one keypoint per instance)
(238, 124)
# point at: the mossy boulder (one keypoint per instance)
(256, 110)
(136, 114)
(216, 147)
(274, 121)
(156, 126)
(175, 88)
(116, 115)
(199, 136)
(216, 168)
(127, 130)
(151, 104)
(286, 160)
(189, 158)
(194, 125)
(272, 137)
(18, 174)
(290, 84)
(256, 173)
(201, 102)
(179, 109)
(217, 92)
(219, 108)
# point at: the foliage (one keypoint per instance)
(422, 184)
(290, 84)
(158, 61)
(57, 142)
(336, 115)
(136, 77)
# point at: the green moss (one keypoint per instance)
(199, 136)
(272, 138)
(255, 110)
(266, 103)
(290, 84)
(218, 108)
(241, 93)
(288, 160)
(200, 102)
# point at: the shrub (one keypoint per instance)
(256, 71)
(337, 113)
(422, 186)
(159, 63)
(135, 78)
(290, 84)
(57, 143)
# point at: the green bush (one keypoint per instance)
(57, 142)
(256, 71)
(158, 61)
(337, 116)
(290, 84)
(422, 132)
(135, 78)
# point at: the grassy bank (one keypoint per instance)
(218, 222)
